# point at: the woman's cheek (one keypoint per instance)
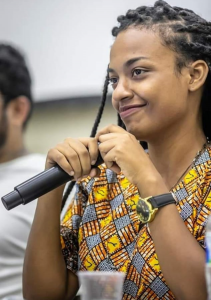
(114, 104)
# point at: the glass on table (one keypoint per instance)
(100, 285)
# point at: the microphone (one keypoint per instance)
(39, 185)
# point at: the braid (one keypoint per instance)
(93, 133)
(119, 122)
(67, 193)
(193, 28)
(101, 108)
(182, 31)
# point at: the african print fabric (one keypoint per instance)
(100, 230)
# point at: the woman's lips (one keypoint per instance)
(125, 111)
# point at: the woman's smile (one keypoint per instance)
(127, 110)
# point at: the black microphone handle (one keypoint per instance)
(39, 185)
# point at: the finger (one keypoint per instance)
(95, 172)
(110, 158)
(112, 166)
(110, 129)
(92, 145)
(115, 168)
(83, 158)
(72, 157)
(107, 146)
(56, 157)
(108, 136)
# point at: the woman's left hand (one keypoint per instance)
(121, 151)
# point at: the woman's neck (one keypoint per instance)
(172, 156)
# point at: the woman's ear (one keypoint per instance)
(18, 110)
(198, 75)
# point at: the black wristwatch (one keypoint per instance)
(147, 208)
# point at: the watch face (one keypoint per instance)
(143, 210)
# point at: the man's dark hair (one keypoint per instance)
(181, 30)
(15, 79)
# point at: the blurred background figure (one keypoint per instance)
(16, 166)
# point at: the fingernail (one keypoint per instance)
(93, 162)
(72, 173)
(92, 173)
(79, 178)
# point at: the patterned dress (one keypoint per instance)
(100, 230)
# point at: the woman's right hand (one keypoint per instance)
(75, 156)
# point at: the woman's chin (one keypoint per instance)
(139, 132)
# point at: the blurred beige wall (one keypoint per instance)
(52, 122)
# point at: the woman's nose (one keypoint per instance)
(122, 91)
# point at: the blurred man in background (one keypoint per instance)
(16, 166)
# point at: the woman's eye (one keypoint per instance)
(137, 72)
(113, 81)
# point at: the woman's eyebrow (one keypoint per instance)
(129, 62)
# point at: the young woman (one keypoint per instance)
(144, 213)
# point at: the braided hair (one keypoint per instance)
(93, 133)
(182, 31)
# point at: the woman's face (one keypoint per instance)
(147, 92)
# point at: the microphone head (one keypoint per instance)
(11, 200)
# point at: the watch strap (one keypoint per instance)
(162, 200)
